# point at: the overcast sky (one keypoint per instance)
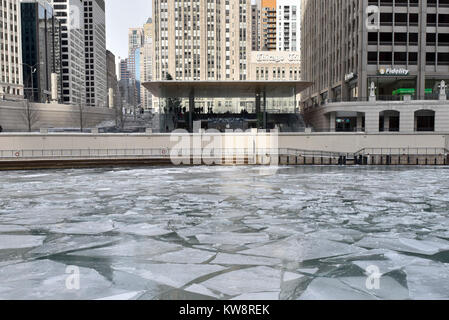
(120, 16)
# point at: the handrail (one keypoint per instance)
(403, 151)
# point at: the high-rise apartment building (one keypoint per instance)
(201, 39)
(268, 25)
(11, 84)
(255, 27)
(123, 70)
(288, 25)
(95, 53)
(71, 15)
(401, 46)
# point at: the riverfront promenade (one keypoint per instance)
(39, 151)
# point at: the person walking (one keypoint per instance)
(1, 129)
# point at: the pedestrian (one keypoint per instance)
(1, 129)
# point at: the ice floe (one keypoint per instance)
(252, 280)
(175, 275)
(20, 242)
(303, 249)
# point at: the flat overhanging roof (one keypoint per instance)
(184, 88)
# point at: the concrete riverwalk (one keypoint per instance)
(44, 151)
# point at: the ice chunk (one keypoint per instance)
(139, 249)
(185, 256)
(259, 296)
(389, 289)
(303, 249)
(199, 289)
(240, 259)
(428, 282)
(404, 245)
(290, 276)
(83, 228)
(71, 243)
(45, 279)
(12, 228)
(20, 242)
(332, 289)
(232, 238)
(124, 296)
(175, 275)
(252, 280)
(142, 229)
(309, 270)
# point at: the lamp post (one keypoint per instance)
(32, 72)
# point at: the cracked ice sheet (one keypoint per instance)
(142, 229)
(303, 249)
(187, 255)
(424, 247)
(240, 259)
(175, 275)
(20, 242)
(143, 249)
(232, 238)
(253, 280)
(83, 228)
(46, 280)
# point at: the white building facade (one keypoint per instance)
(288, 28)
(11, 82)
(71, 15)
(95, 57)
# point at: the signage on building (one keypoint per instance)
(278, 58)
(393, 72)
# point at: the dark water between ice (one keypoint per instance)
(225, 233)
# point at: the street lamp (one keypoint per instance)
(33, 70)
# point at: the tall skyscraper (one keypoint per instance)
(71, 15)
(400, 46)
(288, 25)
(11, 83)
(201, 39)
(146, 65)
(268, 25)
(95, 55)
(41, 49)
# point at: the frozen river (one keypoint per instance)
(225, 233)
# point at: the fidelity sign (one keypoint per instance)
(393, 72)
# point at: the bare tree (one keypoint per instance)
(30, 115)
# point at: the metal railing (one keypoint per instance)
(403, 151)
(157, 153)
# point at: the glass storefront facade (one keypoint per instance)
(394, 88)
(259, 106)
